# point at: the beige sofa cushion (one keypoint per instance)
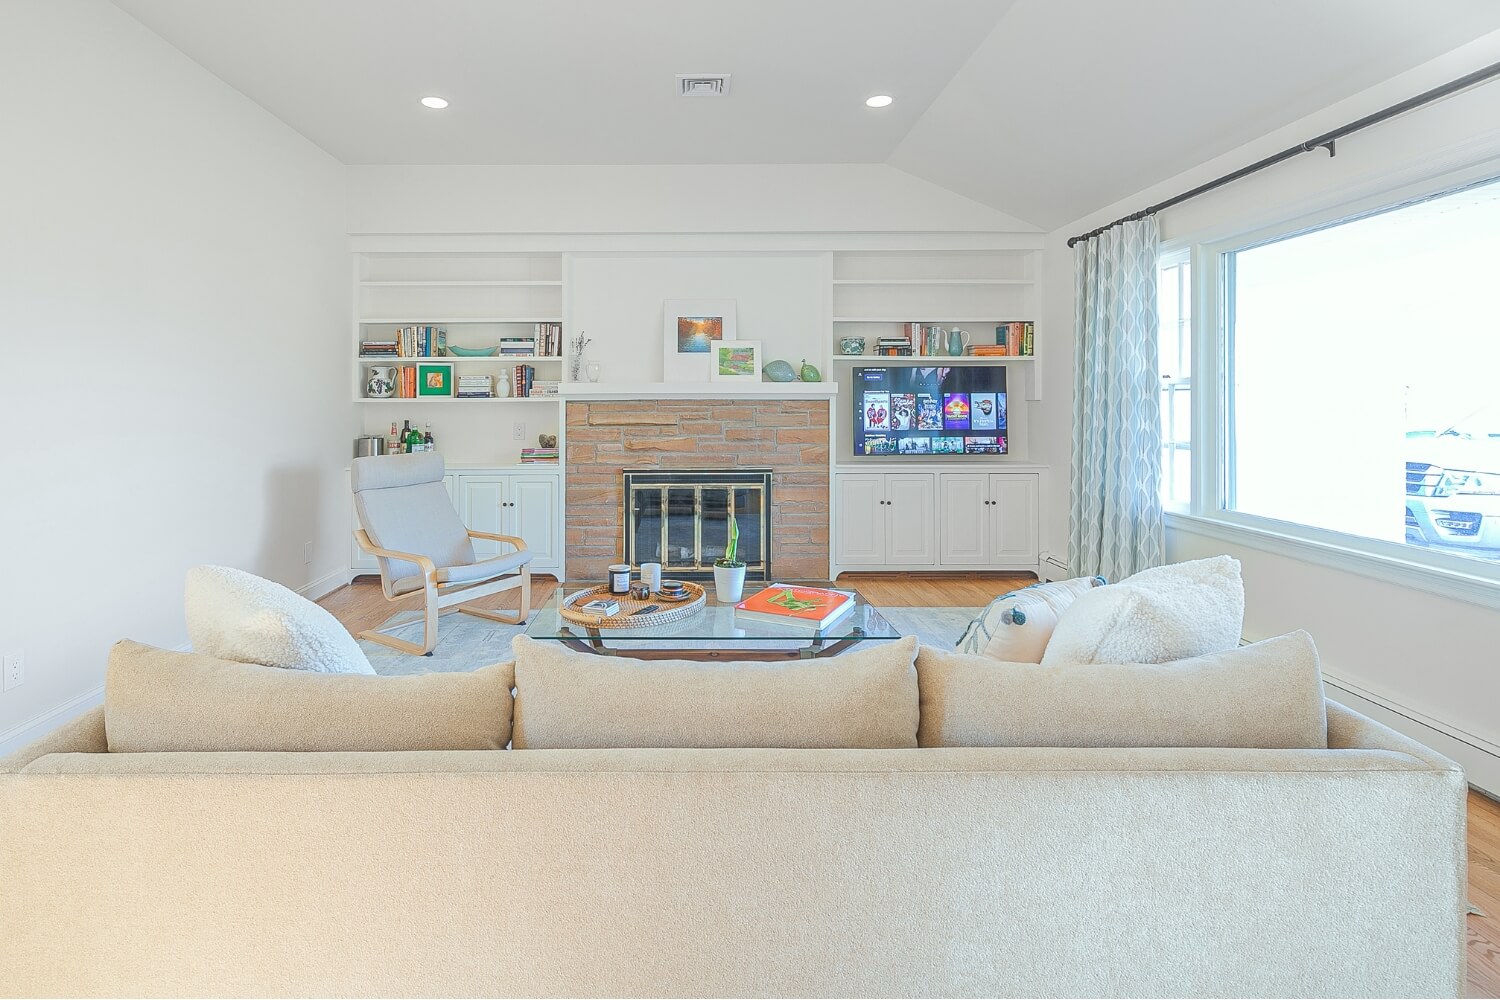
(566, 700)
(1267, 695)
(158, 700)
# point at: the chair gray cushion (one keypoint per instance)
(384, 472)
(485, 569)
(418, 519)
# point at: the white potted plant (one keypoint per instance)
(729, 572)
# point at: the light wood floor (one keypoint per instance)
(361, 606)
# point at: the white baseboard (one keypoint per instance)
(325, 585)
(1479, 757)
(27, 732)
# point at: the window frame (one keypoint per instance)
(1208, 512)
(1178, 255)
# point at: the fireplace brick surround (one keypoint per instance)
(790, 437)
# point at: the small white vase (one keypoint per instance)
(729, 583)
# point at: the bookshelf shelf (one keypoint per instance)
(936, 359)
(431, 321)
(423, 400)
(498, 359)
(461, 284)
(925, 320)
(933, 281)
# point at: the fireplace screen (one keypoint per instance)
(681, 519)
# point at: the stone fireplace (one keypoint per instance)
(785, 440)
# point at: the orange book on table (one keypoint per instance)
(813, 607)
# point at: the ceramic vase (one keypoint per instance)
(729, 583)
(380, 381)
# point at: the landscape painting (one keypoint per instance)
(696, 333)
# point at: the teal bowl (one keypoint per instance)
(473, 352)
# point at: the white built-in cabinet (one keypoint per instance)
(935, 520)
(521, 502)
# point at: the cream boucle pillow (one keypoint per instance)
(1266, 695)
(156, 700)
(1165, 613)
(865, 699)
(1017, 626)
(234, 615)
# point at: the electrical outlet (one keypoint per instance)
(518, 430)
(306, 553)
(15, 669)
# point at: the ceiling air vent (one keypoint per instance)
(702, 84)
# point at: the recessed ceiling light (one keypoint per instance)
(438, 102)
(879, 101)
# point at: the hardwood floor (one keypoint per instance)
(361, 605)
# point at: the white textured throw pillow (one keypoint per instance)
(234, 615)
(1158, 615)
(1017, 626)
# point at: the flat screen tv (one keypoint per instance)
(907, 411)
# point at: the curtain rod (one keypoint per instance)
(1324, 141)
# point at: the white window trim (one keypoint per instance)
(1428, 570)
(1170, 255)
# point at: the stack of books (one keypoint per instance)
(378, 349)
(545, 387)
(986, 350)
(520, 346)
(893, 347)
(476, 386)
(538, 456)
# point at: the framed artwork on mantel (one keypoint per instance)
(690, 329)
(735, 361)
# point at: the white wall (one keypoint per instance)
(749, 198)
(1431, 660)
(781, 301)
(174, 286)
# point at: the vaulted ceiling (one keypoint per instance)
(1044, 109)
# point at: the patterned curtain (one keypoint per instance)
(1115, 523)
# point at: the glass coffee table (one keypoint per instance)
(712, 632)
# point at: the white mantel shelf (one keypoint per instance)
(699, 390)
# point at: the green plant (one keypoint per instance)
(731, 550)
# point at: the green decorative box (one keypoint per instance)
(434, 380)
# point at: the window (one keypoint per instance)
(1364, 362)
(1174, 306)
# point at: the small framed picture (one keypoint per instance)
(735, 361)
(690, 328)
(434, 380)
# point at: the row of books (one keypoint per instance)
(548, 338)
(1016, 339)
(539, 456)
(409, 342)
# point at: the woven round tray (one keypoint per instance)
(671, 610)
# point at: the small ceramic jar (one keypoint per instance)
(852, 345)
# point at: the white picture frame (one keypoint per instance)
(735, 361)
(689, 328)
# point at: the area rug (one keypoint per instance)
(468, 643)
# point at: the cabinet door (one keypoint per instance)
(963, 518)
(1013, 527)
(910, 518)
(860, 509)
(481, 504)
(532, 516)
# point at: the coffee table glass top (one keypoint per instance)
(715, 623)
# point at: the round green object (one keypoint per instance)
(809, 373)
(779, 371)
